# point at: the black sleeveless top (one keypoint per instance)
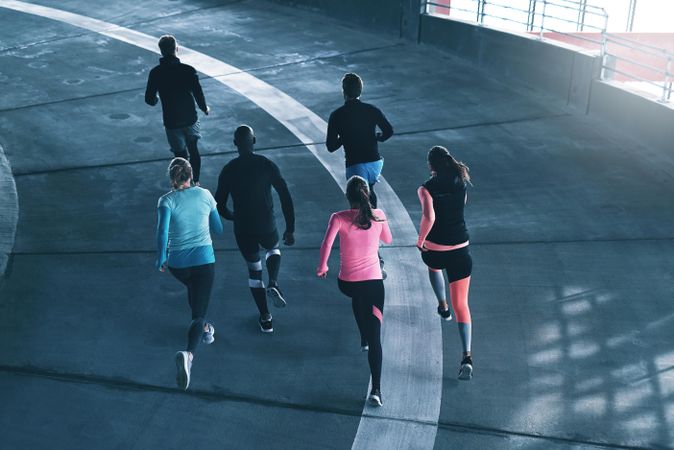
(449, 197)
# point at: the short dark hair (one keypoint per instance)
(167, 45)
(243, 131)
(352, 85)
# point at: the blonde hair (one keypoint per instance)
(179, 171)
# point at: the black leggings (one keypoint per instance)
(199, 282)
(194, 157)
(373, 196)
(367, 301)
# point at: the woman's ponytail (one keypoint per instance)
(358, 195)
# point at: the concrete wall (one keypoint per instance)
(395, 17)
(558, 70)
(565, 72)
(9, 213)
(649, 122)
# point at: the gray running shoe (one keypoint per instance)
(275, 295)
(184, 366)
(466, 369)
(208, 336)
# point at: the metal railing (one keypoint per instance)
(539, 15)
(649, 57)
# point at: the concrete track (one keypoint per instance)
(570, 228)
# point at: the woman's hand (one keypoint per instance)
(422, 247)
(160, 265)
(322, 273)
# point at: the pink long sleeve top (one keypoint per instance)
(358, 248)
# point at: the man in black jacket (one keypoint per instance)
(354, 126)
(178, 87)
(249, 179)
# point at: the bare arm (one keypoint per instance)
(427, 215)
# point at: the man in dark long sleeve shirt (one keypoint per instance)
(354, 126)
(249, 179)
(178, 87)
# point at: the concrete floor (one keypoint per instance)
(571, 234)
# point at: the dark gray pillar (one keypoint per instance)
(410, 11)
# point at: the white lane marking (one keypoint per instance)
(412, 371)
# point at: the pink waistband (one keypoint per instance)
(444, 248)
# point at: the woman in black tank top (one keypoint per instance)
(443, 242)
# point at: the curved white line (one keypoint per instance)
(412, 339)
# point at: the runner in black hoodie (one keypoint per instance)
(178, 87)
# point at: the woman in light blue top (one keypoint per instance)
(186, 217)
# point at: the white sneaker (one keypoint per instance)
(375, 398)
(184, 366)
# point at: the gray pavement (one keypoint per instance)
(571, 233)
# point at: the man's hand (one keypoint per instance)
(288, 238)
(208, 110)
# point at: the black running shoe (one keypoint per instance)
(466, 369)
(445, 314)
(375, 398)
(274, 293)
(266, 324)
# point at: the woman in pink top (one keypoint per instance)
(360, 277)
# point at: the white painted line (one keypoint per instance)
(412, 338)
